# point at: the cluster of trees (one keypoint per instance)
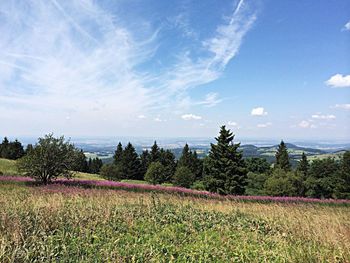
(223, 171)
(11, 150)
(156, 166)
(321, 178)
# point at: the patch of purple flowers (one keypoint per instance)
(74, 183)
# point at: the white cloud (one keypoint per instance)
(157, 119)
(339, 81)
(141, 116)
(264, 125)
(341, 106)
(323, 116)
(259, 111)
(347, 26)
(188, 117)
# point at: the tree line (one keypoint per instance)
(223, 171)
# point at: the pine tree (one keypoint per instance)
(282, 157)
(118, 154)
(303, 165)
(155, 153)
(224, 168)
(190, 160)
(4, 149)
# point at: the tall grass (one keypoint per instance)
(74, 224)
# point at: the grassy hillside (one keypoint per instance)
(71, 224)
(8, 167)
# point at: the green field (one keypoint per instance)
(71, 224)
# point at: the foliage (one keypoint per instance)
(283, 183)
(303, 165)
(51, 157)
(112, 172)
(224, 168)
(155, 173)
(190, 160)
(11, 150)
(256, 183)
(183, 177)
(257, 165)
(94, 165)
(167, 159)
(282, 157)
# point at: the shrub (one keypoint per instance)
(155, 173)
(112, 172)
(183, 177)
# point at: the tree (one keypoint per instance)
(183, 177)
(4, 148)
(145, 160)
(282, 157)
(190, 160)
(303, 165)
(283, 183)
(323, 178)
(118, 154)
(255, 183)
(80, 163)
(167, 159)
(130, 163)
(94, 165)
(51, 157)
(224, 169)
(112, 172)
(155, 173)
(11, 150)
(257, 165)
(155, 152)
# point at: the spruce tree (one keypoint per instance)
(155, 153)
(145, 159)
(190, 160)
(130, 163)
(224, 168)
(303, 165)
(282, 157)
(118, 154)
(167, 159)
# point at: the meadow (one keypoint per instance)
(68, 223)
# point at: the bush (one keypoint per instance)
(112, 172)
(51, 157)
(283, 183)
(183, 177)
(198, 185)
(155, 173)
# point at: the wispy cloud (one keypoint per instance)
(77, 59)
(339, 81)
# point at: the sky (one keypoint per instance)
(264, 68)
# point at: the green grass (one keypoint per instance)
(67, 224)
(8, 167)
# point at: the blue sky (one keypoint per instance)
(266, 69)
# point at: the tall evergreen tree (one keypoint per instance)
(167, 159)
(303, 165)
(130, 163)
(282, 157)
(4, 148)
(224, 168)
(190, 160)
(117, 158)
(145, 159)
(155, 153)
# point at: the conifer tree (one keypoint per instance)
(145, 159)
(190, 160)
(224, 168)
(118, 154)
(130, 163)
(167, 159)
(155, 153)
(282, 157)
(303, 165)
